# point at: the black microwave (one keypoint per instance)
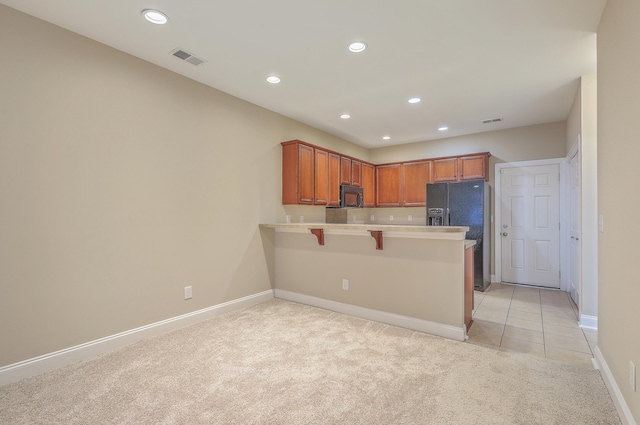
(351, 197)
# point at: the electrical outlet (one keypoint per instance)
(301, 219)
(188, 292)
(345, 284)
(372, 217)
(410, 218)
(390, 218)
(601, 223)
(632, 376)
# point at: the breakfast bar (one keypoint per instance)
(408, 276)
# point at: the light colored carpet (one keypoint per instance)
(286, 363)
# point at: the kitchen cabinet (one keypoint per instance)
(369, 184)
(350, 171)
(468, 286)
(356, 173)
(389, 185)
(460, 168)
(321, 177)
(445, 170)
(298, 173)
(474, 167)
(415, 176)
(334, 179)
(312, 176)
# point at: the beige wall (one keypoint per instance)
(515, 144)
(417, 278)
(574, 123)
(618, 200)
(589, 196)
(121, 183)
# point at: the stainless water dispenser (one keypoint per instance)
(435, 217)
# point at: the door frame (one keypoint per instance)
(497, 211)
(575, 151)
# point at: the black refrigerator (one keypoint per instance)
(465, 204)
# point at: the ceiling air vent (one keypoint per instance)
(492, 120)
(186, 56)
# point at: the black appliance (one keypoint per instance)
(465, 204)
(351, 197)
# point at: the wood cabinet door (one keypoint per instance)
(473, 167)
(468, 286)
(369, 184)
(445, 170)
(306, 175)
(289, 174)
(321, 184)
(345, 170)
(415, 176)
(356, 173)
(389, 185)
(334, 180)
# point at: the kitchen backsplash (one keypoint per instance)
(316, 214)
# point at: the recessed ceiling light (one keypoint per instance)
(155, 16)
(273, 79)
(415, 100)
(357, 46)
(345, 116)
(386, 138)
(443, 128)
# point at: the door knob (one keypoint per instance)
(505, 234)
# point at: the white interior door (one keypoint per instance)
(574, 227)
(530, 225)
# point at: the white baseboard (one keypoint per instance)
(419, 325)
(37, 365)
(589, 322)
(616, 395)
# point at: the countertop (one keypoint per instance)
(391, 230)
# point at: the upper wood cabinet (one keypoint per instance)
(321, 178)
(345, 170)
(312, 176)
(350, 171)
(474, 167)
(389, 185)
(356, 173)
(445, 170)
(298, 173)
(334, 179)
(415, 176)
(369, 184)
(465, 167)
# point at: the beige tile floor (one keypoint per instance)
(543, 322)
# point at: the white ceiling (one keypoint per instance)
(469, 60)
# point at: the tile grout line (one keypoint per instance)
(504, 328)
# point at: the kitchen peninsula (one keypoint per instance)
(416, 277)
